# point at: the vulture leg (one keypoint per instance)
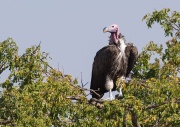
(120, 95)
(109, 86)
(110, 94)
(120, 92)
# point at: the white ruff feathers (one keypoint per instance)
(122, 46)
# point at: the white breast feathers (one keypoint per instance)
(109, 83)
(122, 45)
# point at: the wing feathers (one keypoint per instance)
(132, 54)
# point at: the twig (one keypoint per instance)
(85, 84)
(88, 94)
(93, 91)
(33, 51)
(62, 70)
(82, 84)
(58, 66)
(177, 26)
(81, 81)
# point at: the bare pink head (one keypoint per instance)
(114, 30)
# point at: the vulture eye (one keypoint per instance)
(112, 26)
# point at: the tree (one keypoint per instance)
(36, 94)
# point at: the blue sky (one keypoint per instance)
(71, 31)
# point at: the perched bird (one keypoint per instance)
(113, 61)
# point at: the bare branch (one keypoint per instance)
(5, 122)
(82, 84)
(81, 81)
(4, 68)
(58, 66)
(73, 97)
(85, 84)
(157, 122)
(124, 117)
(177, 25)
(134, 119)
(92, 91)
(62, 69)
(158, 105)
(97, 103)
(154, 106)
(88, 94)
(85, 89)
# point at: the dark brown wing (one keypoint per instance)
(132, 55)
(102, 66)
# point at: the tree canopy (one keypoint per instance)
(36, 94)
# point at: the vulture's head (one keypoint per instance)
(114, 30)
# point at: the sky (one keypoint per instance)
(72, 31)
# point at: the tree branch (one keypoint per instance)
(177, 26)
(5, 122)
(157, 122)
(154, 106)
(73, 97)
(124, 117)
(93, 91)
(134, 117)
(97, 103)
(158, 105)
(2, 69)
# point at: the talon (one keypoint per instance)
(118, 96)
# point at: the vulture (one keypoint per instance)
(113, 61)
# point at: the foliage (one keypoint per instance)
(35, 94)
(8, 53)
(170, 23)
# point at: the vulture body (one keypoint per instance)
(112, 62)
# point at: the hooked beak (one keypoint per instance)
(105, 29)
